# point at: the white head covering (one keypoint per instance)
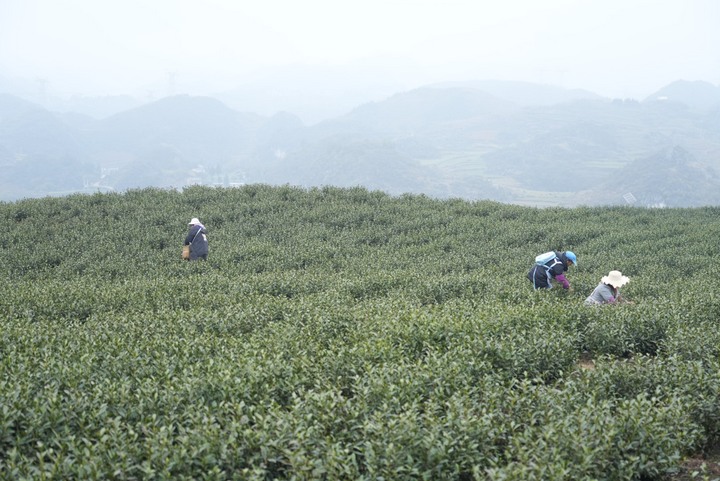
(194, 221)
(615, 279)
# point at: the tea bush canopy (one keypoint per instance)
(342, 333)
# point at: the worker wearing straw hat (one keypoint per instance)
(608, 291)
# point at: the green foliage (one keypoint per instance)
(347, 334)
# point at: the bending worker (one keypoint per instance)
(551, 267)
(608, 291)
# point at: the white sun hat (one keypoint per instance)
(615, 279)
(194, 221)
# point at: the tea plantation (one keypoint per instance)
(345, 334)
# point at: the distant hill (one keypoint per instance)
(28, 129)
(697, 95)
(39, 153)
(173, 141)
(97, 107)
(512, 142)
(181, 120)
(672, 177)
(416, 120)
(422, 109)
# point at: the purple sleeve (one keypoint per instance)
(561, 278)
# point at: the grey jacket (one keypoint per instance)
(603, 294)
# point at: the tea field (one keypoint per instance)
(345, 334)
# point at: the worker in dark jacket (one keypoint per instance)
(544, 273)
(197, 240)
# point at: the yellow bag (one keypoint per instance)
(186, 253)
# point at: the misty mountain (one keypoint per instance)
(97, 107)
(697, 95)
(181, 137)
(28, 129)
(672, 177)
(39, 153)
(569, 146)
(196, 125)
(417, 111)
(346, 162)
(711, 121)
(281, 131)
(441, 141)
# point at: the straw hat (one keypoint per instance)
(615, 279)
(194, 221)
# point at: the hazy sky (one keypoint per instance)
(617, 48)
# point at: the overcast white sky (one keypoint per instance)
(617, 48)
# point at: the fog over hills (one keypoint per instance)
(509, 141)
(523, 93)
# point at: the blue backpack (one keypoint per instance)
(543, 259)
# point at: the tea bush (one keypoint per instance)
(348, 334)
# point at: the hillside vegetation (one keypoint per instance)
(348, 334)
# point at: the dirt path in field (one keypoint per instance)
(700, 468)
(586, 361)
